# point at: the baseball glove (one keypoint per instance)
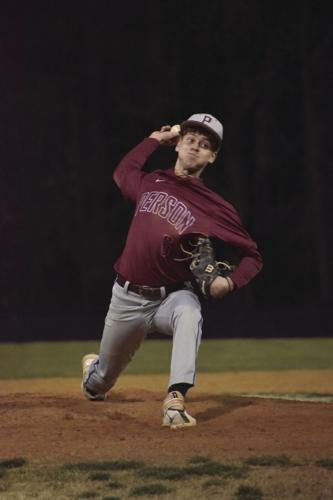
(203, 264)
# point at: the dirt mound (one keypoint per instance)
(58, 428)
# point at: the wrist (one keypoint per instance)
(221, 286)
(156, 135)
(231, 284)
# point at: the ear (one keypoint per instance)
(213, 157)
(178, 143)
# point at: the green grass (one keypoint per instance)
(88, 494)
(327, 463)
(206, 468)
(114, 465)
(268, 461)
(13, 463)
(198, 459)
(245, 492)
(201, 477)
(163, 472)
(265, 354)
(99, 476)
(211, 483)
(115, 484)
(63, 359)
(150, 490)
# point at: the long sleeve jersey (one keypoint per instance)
(168, 209)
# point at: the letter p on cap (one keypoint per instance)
(207, 119)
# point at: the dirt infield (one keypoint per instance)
(59, 426)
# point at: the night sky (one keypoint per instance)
(83, 82)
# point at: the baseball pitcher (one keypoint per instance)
(168, 261)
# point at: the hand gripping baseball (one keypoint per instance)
(204, 266)
(167, 135)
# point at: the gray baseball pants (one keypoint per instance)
(130, 318)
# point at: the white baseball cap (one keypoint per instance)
(207, 122)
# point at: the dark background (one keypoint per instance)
(83, 82)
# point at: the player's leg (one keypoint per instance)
(124, 330)
(180, 316)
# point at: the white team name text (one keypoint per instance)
(167, 207)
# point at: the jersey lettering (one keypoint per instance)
(167, 207)
(178, 211)
(158, 202)
(150, 201)
(140, 204)
(185, 222)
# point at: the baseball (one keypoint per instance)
(175, 128)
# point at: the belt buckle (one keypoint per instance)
(149, 292)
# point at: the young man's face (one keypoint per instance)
(195, 150)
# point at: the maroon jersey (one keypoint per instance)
(168, 209)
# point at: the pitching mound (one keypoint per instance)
(58, 428)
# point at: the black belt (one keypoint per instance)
(150, 292)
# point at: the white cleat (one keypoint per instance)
(87, 361)
(174, 414)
